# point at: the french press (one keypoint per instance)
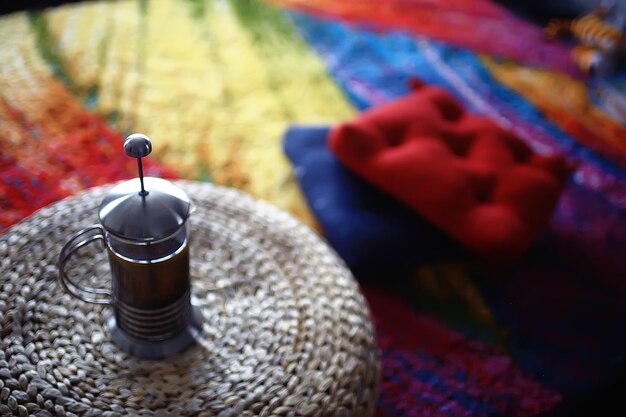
(143, 225)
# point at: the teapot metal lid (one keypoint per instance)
(144, 209)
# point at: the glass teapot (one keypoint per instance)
(143, 225)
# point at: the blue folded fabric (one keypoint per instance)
(370, 230)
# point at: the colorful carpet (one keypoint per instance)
(216, 84)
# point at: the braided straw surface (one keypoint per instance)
(286, 331)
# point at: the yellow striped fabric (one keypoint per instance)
(214, 97)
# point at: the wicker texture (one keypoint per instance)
(286, 331)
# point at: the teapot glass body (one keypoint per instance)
(146, 239)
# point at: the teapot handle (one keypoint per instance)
(87, 294)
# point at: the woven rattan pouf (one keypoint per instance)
(286, 331)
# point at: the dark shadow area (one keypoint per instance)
(606, 399)
(541, 11)
(10, 7)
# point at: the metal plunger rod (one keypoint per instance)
(140, 168)
(138, 146)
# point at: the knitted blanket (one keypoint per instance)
(215, 84)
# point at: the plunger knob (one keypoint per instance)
(137, 145)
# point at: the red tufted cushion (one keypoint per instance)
(462, 172)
